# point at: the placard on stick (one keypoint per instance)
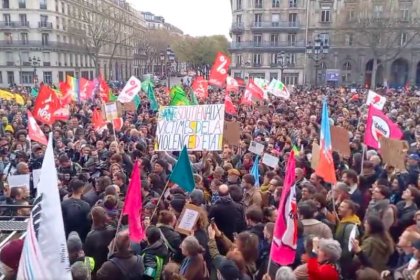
(340, 141)
(316, 150)
(270, 160)
(188, 219)
(231, 133)
(393, 152)
(256, 148)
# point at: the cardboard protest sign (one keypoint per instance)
(393, 152)
(263, 109)
(256, 148)
(340, 141)
(270, 160)
(198, 127)
(188, 219)
(15, 181)
(231, 133)
(111, 111)
(316, 150)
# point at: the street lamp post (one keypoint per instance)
(283, 61)
(35, 62)
(317, 52)
(162, 60)
(170, 58)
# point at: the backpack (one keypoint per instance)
(153, 266)
(130, 272)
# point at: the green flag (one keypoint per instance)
(137, 101)
(182, 174)
(34, 92)
(194, 100)
(148, 87)
(178, 97)
(111, 96)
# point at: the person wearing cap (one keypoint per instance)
(233, 177)
(10, 257)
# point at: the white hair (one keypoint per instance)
(285, 273)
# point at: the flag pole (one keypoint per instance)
(160, 199)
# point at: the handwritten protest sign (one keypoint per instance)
(340, 141)
(394, 152)
(256, 148)
(316, 150)
(231, 133)
(198, 127)
(111, 111)
(188, 219)
(270, 160)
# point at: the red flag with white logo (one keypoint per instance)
(229, 107)
(219, 71)
(200, 87)
(86, 89)
(252, 91)
(103, 89)
(46, 104)
(231, 84)
(97, 120)
(34, 131)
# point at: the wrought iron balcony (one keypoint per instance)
(268, 46)
(38, 44)
(14, 25)
(45, 25)
(275, 25)
(237, 27)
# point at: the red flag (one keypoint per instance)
(231, 84)
(103, 89)
(133, 205)
(97, 120)
(34, 131)
(252, 91)
(200, 87)
(283, 246)
(62, 114)
(46, 104)
(118, 124)
(219, 71)
(66, 94)
(229, 107)
(86, 89)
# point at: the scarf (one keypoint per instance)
(353, 219)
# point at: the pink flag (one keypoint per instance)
(133, 205)
(283, 246)
(378, 125)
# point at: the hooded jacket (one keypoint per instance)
(155, 256)
(377, 251)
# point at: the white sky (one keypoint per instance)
(193, 17)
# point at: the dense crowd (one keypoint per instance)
(232, 237)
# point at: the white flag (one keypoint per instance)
(376, 100)
(51, 236)
(132, 87)
(263, 85)
(277, 88)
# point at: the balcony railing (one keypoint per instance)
(39, 44)
(237, 27)
(266, 45)
(14, 24)
(272, 25)
(45, 25)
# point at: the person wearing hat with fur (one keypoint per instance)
(323, 257)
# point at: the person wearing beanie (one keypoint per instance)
(10, 257)
(176, 205)
(324, 255)
(160, 169)
(197, 197)
(76, 253)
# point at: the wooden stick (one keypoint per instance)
(160, 199)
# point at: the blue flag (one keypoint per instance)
(255, 172)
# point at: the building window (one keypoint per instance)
(326, 14)
(273, 75)
(291, 78)
(275, 19)
(292, 59)
(256, 59)
(44, 20)
(258, 4)
(24, 57)
(238, 60)
(45, 39)
(238, 18)
(349, 39)
(7, 20)
(292, 3)
(22, 4)
(257, 19)
(46, 58)
(43, 4)
(346, 77)
(404, 39)
(257, 40)
(325, 38)
(274, 40)
(8, 37)
(23, 19)
(276, 4)
(10, 61)
(273, 59)
(1, 77)
(6, 4)
(10, 77)
(238, 38)
(63, 10)
(405, 14)
(291, 39)
(24, 38)
(239, 4)
(378, 11)
(350, 15)
(48, 77)
(27, 77)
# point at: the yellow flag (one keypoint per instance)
(19, 99)
(6, 95)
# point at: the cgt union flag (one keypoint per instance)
(283, 247)
(219, 71)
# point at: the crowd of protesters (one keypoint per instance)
(232, 237)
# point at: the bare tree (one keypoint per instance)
(379, 27)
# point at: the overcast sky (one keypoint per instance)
(194, 17)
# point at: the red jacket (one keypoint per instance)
(317, 271)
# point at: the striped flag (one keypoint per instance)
(325, 168)
(32, 265)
